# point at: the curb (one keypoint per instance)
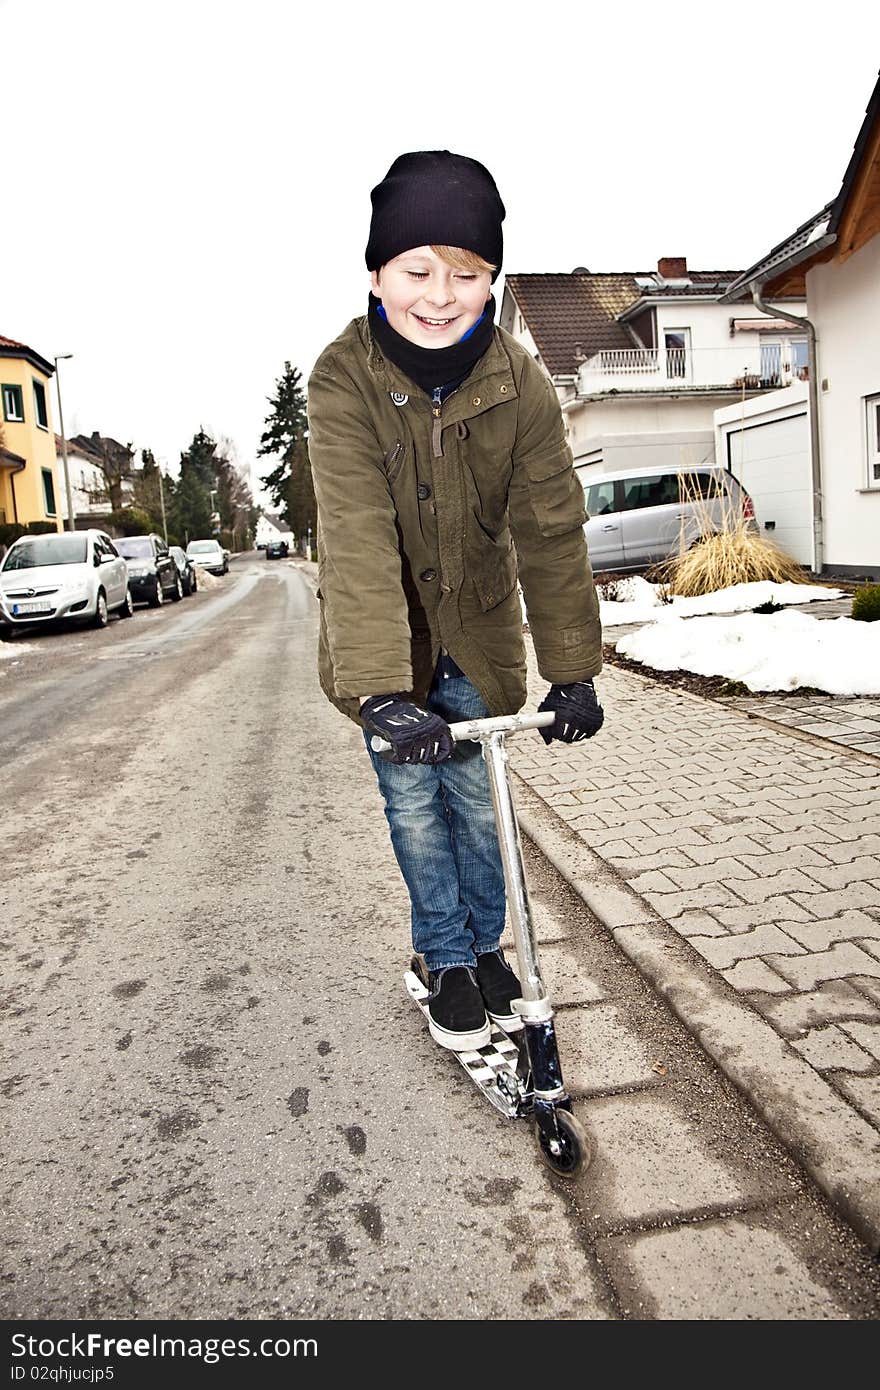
(837, 1148)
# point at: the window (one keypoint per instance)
(49, 491)
(40, 405)
(658, 491)
(600, 497)
(13, 407)
(784, 360)
(873, 405)
(677, 343)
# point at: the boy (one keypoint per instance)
(437, 445)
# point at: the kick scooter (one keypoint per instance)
(519, 1069)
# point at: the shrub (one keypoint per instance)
(734, 555)
(866, 604)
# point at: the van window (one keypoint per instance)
(600, 498)
(658, 491)
(704, 485)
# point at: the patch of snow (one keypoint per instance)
(642, 604)
(774, 651)
(9, 649)
(206, 580)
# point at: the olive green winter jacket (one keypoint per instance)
(426, 514)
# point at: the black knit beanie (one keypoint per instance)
(434, 198)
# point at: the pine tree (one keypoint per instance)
(285, 437)
(192, 496)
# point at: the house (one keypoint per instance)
(27, 443)
(88, 486)
(271, 528)
(823, 459)
(642, 360)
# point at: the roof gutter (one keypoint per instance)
(815, 455)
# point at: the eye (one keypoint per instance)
(467, 276)
(418, 274)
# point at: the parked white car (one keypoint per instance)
(210, 555)
(63, 574)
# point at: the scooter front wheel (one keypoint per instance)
(575, 1147)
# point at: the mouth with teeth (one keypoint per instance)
(437, 325)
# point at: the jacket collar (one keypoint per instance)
(480, 390)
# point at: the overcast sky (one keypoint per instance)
(186, 182)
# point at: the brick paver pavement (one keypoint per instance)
(762, 849)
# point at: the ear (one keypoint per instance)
(374, 281)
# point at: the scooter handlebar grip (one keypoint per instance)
(470, 729)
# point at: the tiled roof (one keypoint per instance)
(569, 314)
(574, 314)
(9, 459)
(10, 342)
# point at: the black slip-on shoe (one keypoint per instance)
(456, 1012)
(499, 987)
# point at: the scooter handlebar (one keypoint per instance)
(478, 730)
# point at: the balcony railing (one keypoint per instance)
(661, 369)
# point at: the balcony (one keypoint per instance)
(753, 367)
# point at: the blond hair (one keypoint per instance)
(460, 259)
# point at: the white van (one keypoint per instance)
(638, 517)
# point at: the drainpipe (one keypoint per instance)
(12, 472)
(815, 456)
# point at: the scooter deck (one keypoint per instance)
(493, 1068)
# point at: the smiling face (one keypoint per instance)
(427, 300)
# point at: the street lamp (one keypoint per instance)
(64, 357)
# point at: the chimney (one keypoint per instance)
(673, 267)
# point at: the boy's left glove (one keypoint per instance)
(578, 712)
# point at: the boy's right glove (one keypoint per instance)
(578, 712)
(415, 734)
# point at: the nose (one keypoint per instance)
(439, 294)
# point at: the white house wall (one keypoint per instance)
(718, 356)
(844, 304)
(618, 434)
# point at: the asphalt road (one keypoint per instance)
(215, 1098)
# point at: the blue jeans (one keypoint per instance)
(444, 837)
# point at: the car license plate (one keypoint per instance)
(18, 608)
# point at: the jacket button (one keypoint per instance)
(477, 400)
(503, 390)
(424, 491)
(446, 588)
(428, 574)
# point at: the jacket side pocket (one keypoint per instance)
(555, 493)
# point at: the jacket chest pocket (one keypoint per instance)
(394, 459)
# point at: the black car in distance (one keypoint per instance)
(186, 569)
(152, 573)
(276, 550)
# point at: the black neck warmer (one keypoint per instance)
(432, 367)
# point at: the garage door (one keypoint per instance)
(772, 461)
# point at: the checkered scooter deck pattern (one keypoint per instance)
(484, 1066)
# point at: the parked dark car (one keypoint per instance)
(276, 550)
(185, 568)
(153, 575)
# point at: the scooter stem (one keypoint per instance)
(495, 756)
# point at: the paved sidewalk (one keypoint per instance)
(757, 852)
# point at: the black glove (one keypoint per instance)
(578, 712)
(415, 735)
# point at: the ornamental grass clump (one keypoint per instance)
(735, 554)
(866, 604)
